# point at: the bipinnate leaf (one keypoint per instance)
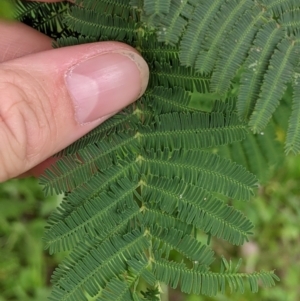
(140, 186)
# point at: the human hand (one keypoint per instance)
(49, 98)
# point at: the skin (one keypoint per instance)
(37, 114)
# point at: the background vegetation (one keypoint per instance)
(6, 9)
(25, 269)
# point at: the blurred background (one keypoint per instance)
(25, 268)
(6, 9)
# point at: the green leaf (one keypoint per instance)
(196, 29)
(235, 50)
(92, 23)
(201, 169)
(193, 205)
(85, 219)
(105, 261)
(219, 28)
(280, 72)
(157, 7)
(198, 282)
(293, 135)
(172, 25)
(257, 62)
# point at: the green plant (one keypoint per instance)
(23, 266)
(6, 9)
(141, 185)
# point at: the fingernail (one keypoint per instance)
(105, 84)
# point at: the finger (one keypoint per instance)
(18, 39)
(52, 98)
(38, 169)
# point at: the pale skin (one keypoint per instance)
(39, 86)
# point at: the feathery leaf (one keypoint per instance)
(293, 135)
(256, 64)
(235, 50)
(218, 30)
(196, 29)
(280, 72)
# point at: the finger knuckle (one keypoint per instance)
(22, 122)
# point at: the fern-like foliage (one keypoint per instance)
(139, 186)
(45, 18)
(259, 38)
(260, 153)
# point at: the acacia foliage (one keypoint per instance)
(141, 184)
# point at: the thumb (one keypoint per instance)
(50, 99)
